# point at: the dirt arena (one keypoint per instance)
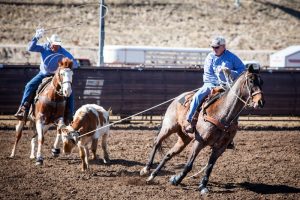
(265, 165)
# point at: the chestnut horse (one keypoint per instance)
(216, 125)
(48, 109)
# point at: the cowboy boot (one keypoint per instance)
(22, 112)
(189, 126)
(231, 145)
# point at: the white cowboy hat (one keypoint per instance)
(218, 41)
(54, 40)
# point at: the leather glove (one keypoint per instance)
(39, 33)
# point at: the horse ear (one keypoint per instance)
(253, 68)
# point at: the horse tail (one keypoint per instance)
(163, 144)
(159, 146)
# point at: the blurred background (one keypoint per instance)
(254, 29)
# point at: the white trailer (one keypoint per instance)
(289, 57)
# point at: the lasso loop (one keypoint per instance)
(74, 24)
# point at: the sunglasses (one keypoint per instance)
(216, 47)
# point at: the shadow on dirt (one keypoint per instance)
(127, 163)
(268, 189)
(259, 188)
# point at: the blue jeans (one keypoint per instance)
(197, 99)
(32, 86)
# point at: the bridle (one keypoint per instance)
(250, 94)
(61, 73)
(227, 126)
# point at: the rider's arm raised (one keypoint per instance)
(34, 47)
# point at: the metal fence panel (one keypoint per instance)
(128, 91)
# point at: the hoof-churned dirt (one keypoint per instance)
(265, 165)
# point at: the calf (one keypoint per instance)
(87, 119)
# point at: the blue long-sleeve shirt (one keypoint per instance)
(228, 59)
(49, 58)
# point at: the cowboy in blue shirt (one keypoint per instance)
(216, 63)
(51, 53)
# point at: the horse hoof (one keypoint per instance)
(55, 152)
(173, 180)
(144, 171)
(204, 191)
(32, 157)
(39, 161)
(150, 179)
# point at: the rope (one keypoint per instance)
(193, 176)
(74, 24)
(111, 124)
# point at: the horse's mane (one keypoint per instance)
(228, 89)
(66, 63)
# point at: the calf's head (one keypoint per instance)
(69, 138)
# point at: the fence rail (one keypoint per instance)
(128, 91)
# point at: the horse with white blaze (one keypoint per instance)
(89, 124)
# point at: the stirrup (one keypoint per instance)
(22, 113)
(189, 128)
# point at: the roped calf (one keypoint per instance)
(87, 119)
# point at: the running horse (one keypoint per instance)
(216, 125)
(48, 109)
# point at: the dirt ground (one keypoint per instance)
(265, 165)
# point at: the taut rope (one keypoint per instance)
(108, 125)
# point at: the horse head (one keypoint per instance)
(254, 87)
(65, 75)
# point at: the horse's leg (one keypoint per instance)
(162, 135)
(215, 154)
(33, 139)
(181, 143)
(56, 150)
(197, 146)
(104, 148)
(40, 132)
(19, 129)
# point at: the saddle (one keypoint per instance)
(214, 95)
(46, 81)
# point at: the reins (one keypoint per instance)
(221, 125)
